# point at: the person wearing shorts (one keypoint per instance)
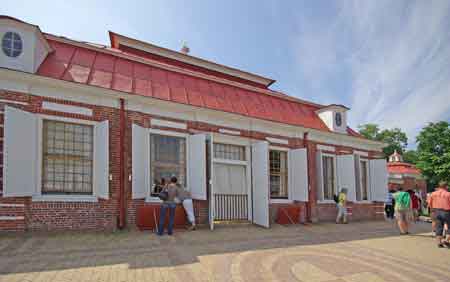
(402, 210)
(440, 206)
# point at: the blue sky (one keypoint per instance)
(389, 61)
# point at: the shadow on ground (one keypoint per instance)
(35, 252)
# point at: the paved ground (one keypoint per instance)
(369, 252)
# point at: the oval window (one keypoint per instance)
(12, 44)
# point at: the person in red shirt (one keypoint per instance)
(414, 204)
(440, 205)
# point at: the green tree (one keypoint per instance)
(410, 156)
(369, 130)
(433, 152)
(395, 138)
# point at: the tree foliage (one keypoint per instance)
(395, 138)
(410, 156)
(433, 151)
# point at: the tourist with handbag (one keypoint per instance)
(168, 195)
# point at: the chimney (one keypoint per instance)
(185, 49)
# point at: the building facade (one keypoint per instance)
(405, 175)
(89, 131)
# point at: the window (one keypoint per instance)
(67, 158)
(364, 175)
(12, 44)
(278, 174)
(168, 158)
(229, 152)
(329, 187)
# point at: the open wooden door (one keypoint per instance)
(260, 183)
(210, 178)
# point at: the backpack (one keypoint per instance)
(336, 198)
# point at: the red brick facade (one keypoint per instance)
(103, 215)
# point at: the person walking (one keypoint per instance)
(414, 204)
(440, 205)
(342, 207)
(170, 192)
(402, 210)
(389, 205)
(185, 198)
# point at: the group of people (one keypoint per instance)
(406, 205)
(171, 194)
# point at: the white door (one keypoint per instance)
(260, 181)
(346, 175)
(230, 192)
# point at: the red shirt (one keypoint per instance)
(440, 199)
(415, 201)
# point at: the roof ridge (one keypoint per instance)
(115, 52)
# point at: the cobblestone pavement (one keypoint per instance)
(370, 251)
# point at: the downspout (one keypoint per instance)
(121, 223)
(308, 204)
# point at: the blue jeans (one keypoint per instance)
(162, 218)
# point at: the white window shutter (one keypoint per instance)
(319, 174)
(20, 159)
(346, 175)
(140, 166)
(197, 166)
(378, 180)
(298, 175)
(101, 160)
(260, 179)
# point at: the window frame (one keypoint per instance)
(369, 195)
(286, 199)
(38, 196)
(149, 197)
(11, 47)
(334, 157)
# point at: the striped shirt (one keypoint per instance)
(389, 198)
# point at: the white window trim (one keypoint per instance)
(280, 201)
(369, 196)
(149, 198)
(324, 201)
(231, 162)
(281, 149)
(38, 196)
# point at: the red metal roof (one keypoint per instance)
(402, 168)
(73, 63)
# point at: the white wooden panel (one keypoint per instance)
(209, 163)
(20, 153)
(101, 160)
(378, 180)
(298, 175)
(140, 154)
(319, 174)
(260, 177)
(197, 166)
(66, 108)
(346, 175)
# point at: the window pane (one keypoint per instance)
(67, 160)
(364, 187)
(168, 159)
(278, 174)
(328, 178)
(229, 152)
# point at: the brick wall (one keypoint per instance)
(363, 211)
(104, 213)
